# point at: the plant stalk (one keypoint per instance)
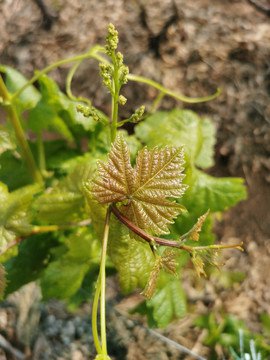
(103, 284)
(100, 292)
(94, 316)
(171, 243)
(20, 136)
(41, 153)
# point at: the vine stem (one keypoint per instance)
(20, 136)
(92, 53)
(100, 292)
(94, 316)
(102, 283)
(165, 91)
(68, 84)
(171, 243)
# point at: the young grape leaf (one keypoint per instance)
(15, 215)
(14, 81)
(168, 301)
(34, 254)
(13, 171)
(205, 158)
(133, 259)
(56, 112)
(193, 234)
(143, 190)
(208, 192)
(174, 128)
(167, 262)
(7, 141)
(153, 279)
(66, 201)
(200, 258)
(64, 276)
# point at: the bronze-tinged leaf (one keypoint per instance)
(201, 257)
(169, 262)
(144, 190)
(194, 233)
(166, 262)
(115, 178)
(198, 264)
(153, 279)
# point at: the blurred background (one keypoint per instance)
(191, 47)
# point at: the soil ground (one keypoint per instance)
(192, 47)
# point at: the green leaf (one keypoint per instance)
(44, 117)
(265, 319)
(65, 202)
(33, 257)
(208, 192)
(100, 140)
(205, 158)
(168, 301)
(56, 112)
(177, 127)
(13, 171)
(7, 141)
(15, 213)
(14, 81)
(64, 276)
(133, 259)
(217, 194)
(60, 157)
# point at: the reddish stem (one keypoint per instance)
(16, 241)
(144, 235)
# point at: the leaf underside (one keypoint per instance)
(143, 190)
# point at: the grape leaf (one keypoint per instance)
(205, 158)
(168, 263)
(44, 117)
(168, 301)
(33, 257)
(193, 234)
(208, 192)
(60, 157)
(133, 259)
(14, 81)
(145, 188)
(56, 112)
(13, 171)
(15, 216)
(7, 141)
(65, 202)
(175, 128)
(64, 276)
